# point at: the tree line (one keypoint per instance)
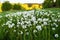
(7, 6)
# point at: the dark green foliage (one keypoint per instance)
(51, 4)
(16, 7)
(47, 4)
(58, 3)
(6, 6)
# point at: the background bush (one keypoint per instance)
(58, 3)
(48, 4)
(16, 7)
(6, 6)
(51, 4)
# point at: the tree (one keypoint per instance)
(16, 7)
(58, 3)
(6, 6)
(48, 3)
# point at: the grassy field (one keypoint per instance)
(30, 25)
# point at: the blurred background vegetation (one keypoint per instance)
(6, 6)
(51, 4)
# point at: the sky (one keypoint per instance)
(23, 1)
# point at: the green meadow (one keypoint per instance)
(30, 25)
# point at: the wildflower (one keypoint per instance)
(45, 23)
(8, 22)
(45, 19)
(7, 15)
(11, 19)
(22, 22)
(56, 25)
(49, 21)
(58, 20)
(45, 13)
(56, 35)
(42, 25)
(55, 20)
(11, 25)
(38, 27)
(0, 16)
(3, 24)
(25, 29)
(17, 25)
(14, 30)
(33, 19)
(18, 22)
(29, 25)
(27, 33)
(39, 19)
(24, 26)
(53, 28)
(21, 32)
(48, 14)
(34, 31)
